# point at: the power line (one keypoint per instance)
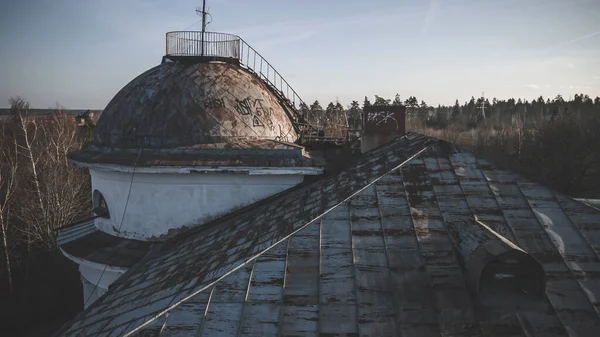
(120, 225)
(192, 25)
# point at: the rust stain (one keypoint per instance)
(183, 104)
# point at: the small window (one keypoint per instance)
(100, 206)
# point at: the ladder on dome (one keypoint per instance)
(313, 128)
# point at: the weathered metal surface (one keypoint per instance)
(86, 242)
(469, 210)
(192, 263)
(573, 309)
(195, 47)
(75, 231)
(256, 153)
(570, 243)
(326, 260)
(591, 202)
(384, 119)
(183, 104)
(455, 310)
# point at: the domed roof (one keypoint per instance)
(179, 104)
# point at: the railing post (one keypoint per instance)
(202, 43)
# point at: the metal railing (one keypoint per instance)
(188, 43)
(223, 45)
(192, 43)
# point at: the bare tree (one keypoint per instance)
(28, 130)
(8, 184)
(60, 192)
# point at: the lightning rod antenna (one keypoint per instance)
(203, 13)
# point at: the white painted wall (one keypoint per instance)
(95, 279)
(162, 201)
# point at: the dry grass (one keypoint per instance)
(562, 153)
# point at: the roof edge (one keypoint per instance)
(254, 257)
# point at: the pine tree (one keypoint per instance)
(303, 108)
(316, 107)
(381, 101)
(456, 110)
(355, 115)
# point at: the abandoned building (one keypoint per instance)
(212, 218)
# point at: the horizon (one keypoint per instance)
(432, 50)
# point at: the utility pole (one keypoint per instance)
(483, 104)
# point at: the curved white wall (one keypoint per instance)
(159, 202)
(96, 278)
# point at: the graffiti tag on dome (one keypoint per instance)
(254, 107)
(214, 103)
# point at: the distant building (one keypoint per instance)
(82, 117)
(75, 115)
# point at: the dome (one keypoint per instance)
(183, 104)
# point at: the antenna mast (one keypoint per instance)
(203, 14)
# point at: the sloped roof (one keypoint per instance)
(388, 247)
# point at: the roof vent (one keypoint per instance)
(382, 124)
(493, 261)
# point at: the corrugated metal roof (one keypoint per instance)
(394, 259)
(76, 231)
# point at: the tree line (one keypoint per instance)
(551, 140)
(471, 113)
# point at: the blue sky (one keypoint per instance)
(79, 53)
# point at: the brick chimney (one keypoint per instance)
(381, 124)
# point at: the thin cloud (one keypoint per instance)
(564, 44)
(581, 38)
(533, 86)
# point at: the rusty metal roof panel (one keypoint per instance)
(408, 255)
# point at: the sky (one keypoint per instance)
(80, 53)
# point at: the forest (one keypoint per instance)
(39, 192)
(553, 141)
(550, 140)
